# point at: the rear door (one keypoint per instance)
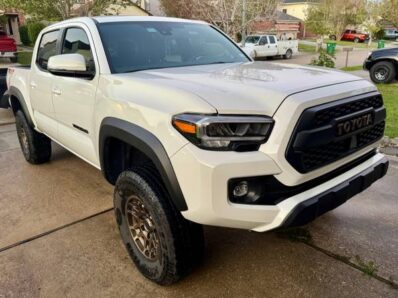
(41, 84)
(74, 97)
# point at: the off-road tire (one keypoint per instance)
(181, 242)
(36, 147)
(387, 68)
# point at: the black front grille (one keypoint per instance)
(328, 114)
(315, 142)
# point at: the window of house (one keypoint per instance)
(47, 48)
(284, 10)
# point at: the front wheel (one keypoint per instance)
(163, 245)
(382, 72)
(356, 40)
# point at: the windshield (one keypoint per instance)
(133, 46)
(252, 39)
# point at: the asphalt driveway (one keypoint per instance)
(58, 238)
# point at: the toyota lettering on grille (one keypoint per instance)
(354, 124)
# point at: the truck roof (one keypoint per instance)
(113, 19)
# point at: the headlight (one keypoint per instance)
(233, 133)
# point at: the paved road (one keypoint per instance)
(58, 238)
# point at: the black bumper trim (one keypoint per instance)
(310, 209)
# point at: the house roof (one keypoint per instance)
(281, 16)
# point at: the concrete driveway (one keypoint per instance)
(58, 238)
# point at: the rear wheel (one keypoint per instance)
(163, 245)
(36, 147)
(383, 72)
(288, 54)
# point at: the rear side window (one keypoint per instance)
(47, 48)
(76, 42)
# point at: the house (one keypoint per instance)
(12, 21)
(297, 8)
(284, 25)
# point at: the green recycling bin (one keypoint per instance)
(380, 44)
(331, 48)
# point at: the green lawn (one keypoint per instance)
(352, 68)
(390, 96)
(24, 58)
(361, 45)
(306, 48)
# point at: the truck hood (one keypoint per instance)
(248, 88)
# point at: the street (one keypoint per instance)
(58, 237)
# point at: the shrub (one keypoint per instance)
(34, 29)
(324, 60)
(23, 33)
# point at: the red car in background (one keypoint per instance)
(8, 47)
(353, 35)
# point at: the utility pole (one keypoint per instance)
(244, 9)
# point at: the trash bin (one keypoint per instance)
(380, 44)
(331, 48)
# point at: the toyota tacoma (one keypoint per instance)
(192, 132)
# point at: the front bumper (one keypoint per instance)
(204, 175)
(310, 209)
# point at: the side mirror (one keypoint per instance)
(69, 65)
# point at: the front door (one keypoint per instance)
(74, 98)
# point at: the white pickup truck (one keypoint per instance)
(261, 46)
(191, 131)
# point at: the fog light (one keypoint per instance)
(241, 189)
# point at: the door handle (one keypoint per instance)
(33, 85)
(56, 91)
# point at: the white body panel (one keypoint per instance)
(149, 99)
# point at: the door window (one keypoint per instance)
(272, 39)
(263, 41)
(76, 42)
(47, 48)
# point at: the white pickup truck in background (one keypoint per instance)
(260, 46)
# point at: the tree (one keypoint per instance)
(389, 10)
(54, 10)
(226, 14)
(331, 17)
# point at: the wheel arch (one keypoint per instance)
(17, 102)
(113, 129)
(392, 60)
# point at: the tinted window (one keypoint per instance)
(252, 39)
(133, 46)
(76, 41)
(47, 48)
(263, 41)
(272, 39)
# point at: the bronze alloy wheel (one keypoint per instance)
(23, 138)
(142, 228)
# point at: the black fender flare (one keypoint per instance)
(14, 92)
(147, 143)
